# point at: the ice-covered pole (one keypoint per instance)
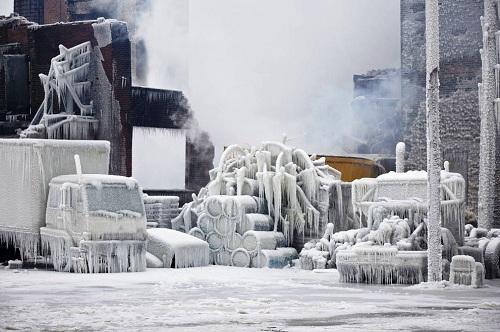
(487, 148)
(400, 157)
(78, 165)
(433, 141)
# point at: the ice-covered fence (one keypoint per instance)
(26, 168)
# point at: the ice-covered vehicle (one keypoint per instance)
(26, 168)
(95, 223)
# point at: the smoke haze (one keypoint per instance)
(6, 7)
(258, 69)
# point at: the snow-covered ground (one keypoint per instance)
(220, 298)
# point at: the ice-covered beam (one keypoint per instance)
(489, 86)
(433, 141)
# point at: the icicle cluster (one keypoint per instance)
(295, 196)
(405, 195)
(297, 192)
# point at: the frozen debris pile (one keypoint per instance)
(394, 252)
(484, 247)
(271, 188)
(160, 210)
(26, 168)
(95, 223)
(71, 116)
(176, 249)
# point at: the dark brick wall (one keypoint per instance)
(31, 9)
(55, 11)
(460, 72)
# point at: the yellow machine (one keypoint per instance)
(354, 168)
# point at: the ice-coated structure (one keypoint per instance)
(26, 168)
(95, 223)
(176, 249)
(405, 195)
(66, 111)
(433, 139)
(263, 198)
(464, 270)
(484, 247)
(489, 110)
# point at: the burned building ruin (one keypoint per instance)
(26, 53)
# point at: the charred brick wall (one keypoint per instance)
(460, 72)
(110, 75)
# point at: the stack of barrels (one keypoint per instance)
(239, 234)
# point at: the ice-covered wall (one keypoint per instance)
(460, 71)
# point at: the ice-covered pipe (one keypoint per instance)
(400, 157)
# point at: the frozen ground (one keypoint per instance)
(233, 299)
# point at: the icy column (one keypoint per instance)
(486, 193)
(433, 141)
(400, 157)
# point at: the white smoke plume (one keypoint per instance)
(258, 69)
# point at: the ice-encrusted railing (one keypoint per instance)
(67, 81)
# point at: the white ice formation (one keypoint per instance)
(464, 270)
(176, 249)
(405, 195)
(66, 111)
(26, 168)
(263, 198)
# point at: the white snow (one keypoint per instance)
(226, 299)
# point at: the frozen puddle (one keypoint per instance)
(218, 298)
